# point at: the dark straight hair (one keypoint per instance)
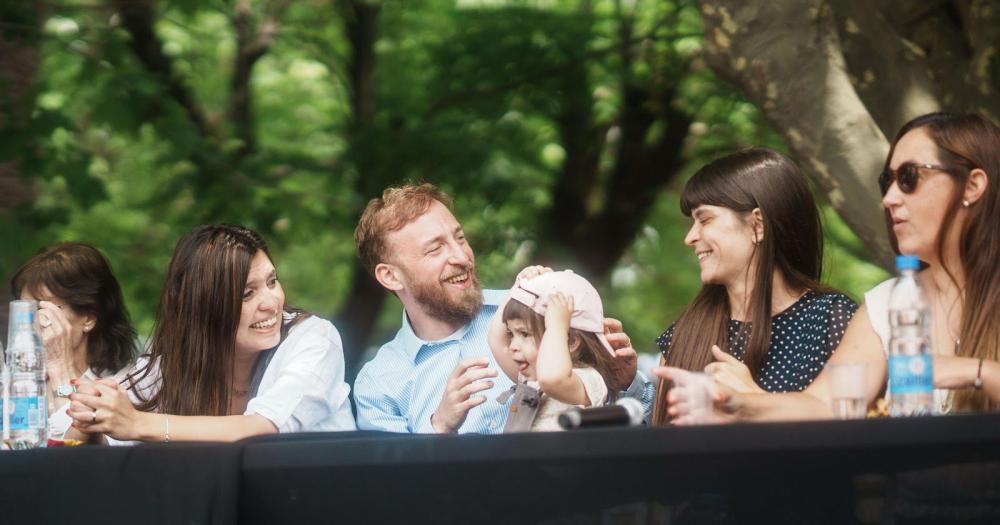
(753, 178)
(966, 142)
(193, 346)
(79, 275)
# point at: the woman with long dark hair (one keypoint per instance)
(942, 203)
(227, 359)
(761, 321)
(83, 321)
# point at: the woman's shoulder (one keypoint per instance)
(309, 325)
(833, 301)
(880, 291)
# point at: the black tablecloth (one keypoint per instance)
(170, 483)
(793, 472)
(916, 470)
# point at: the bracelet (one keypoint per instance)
(166, 433)
(978, 384)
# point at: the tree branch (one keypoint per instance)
(251, 44)
(138, 19)
(790, 51)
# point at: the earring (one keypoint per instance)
(965, 204)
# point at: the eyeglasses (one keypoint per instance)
(906, 175)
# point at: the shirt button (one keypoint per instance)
(493, 425)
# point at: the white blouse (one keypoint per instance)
(302, 389)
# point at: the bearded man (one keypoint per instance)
(439, 368)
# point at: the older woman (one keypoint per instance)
(227, 359)
(84, 324)
(941, 193)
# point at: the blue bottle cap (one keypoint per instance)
(907, 262)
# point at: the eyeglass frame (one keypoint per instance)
(893, 176)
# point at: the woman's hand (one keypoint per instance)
(103, 406)
(732, 373)
(58, 338)
(687, 399)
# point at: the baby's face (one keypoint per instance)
(523, 348)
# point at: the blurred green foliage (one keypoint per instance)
(466, 95)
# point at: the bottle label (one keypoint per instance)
(25, 413)
(911, 374)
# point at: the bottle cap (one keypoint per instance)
(907, 262)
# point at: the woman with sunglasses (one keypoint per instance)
(941, 194)
(228, 359)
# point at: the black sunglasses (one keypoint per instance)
(906, 175)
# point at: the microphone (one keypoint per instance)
(625, 412)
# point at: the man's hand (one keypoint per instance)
(626, 358)
(467, 379)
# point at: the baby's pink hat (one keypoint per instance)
(588, 312)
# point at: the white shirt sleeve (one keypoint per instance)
(303, 387)
(593, 384)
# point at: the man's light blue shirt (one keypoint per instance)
(401, 387)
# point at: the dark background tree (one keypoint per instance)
(563, 129)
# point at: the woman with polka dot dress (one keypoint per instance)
(762, 322)
(941, 197)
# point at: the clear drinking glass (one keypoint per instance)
(847, 389)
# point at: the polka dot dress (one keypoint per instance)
(802, 339)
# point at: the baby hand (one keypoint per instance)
(559, 311)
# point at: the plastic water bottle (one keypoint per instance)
(27, 416)
(4, 381)
(911, 361)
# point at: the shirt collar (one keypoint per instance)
(413, 344)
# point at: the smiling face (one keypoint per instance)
(917, 217)
(523, 347)
(263, 303)
(435, 266)
(723, 241)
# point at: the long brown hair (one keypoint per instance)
(79, 275)
(590, 352)
(193, 346)
(964, 143)
(793, 243)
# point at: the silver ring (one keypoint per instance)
(44, 322)
(93, 418)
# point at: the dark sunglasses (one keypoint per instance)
(906, 175)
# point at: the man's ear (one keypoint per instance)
(389, 276)
(975, 187)
(757, 222)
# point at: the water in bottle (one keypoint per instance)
(4, 381)
(27, 412)
(911, 361)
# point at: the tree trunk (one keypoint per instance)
(19, 61)
(786, 56)
(361, 307)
